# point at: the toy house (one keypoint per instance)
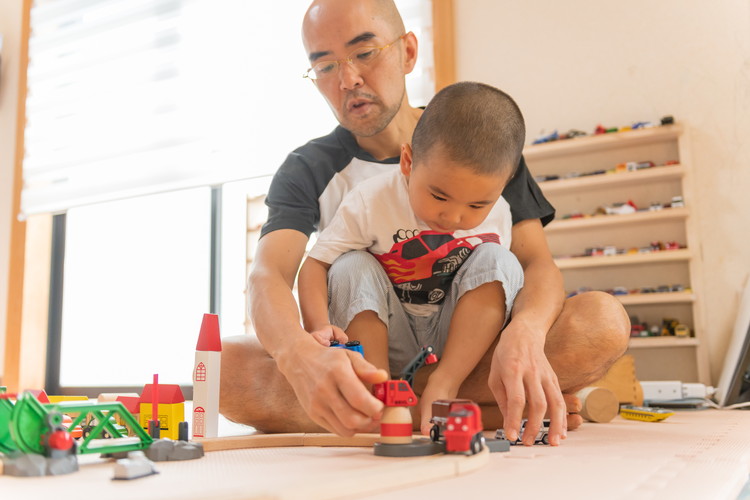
(171, 411)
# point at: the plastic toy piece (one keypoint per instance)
(416, 448)
(542, 436)
(426, 356)
(31, 424)
(644, 413)
(459, 422)
(133, 467)
(153, 425)
(397, 395)
(352, 345)
(206, 377)
(463, 431)
(171, 408)
(497, 445)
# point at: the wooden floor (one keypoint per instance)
(691, 455)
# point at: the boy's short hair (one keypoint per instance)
(476, 124)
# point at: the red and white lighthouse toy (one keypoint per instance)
(206, 376)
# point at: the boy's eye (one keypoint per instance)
(476, 207)
(439, 198)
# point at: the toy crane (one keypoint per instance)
(397, 395)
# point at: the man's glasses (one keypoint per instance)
(359, 58)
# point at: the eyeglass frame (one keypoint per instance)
(348, 58)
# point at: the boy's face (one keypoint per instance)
(449, 196)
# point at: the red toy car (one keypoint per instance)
(459, 421)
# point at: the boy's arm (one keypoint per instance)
(313, 301)
(520, 374)
(327, 382)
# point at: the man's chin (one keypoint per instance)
(363, 128)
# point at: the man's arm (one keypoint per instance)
(520, 374)
(327, 382)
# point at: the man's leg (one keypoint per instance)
(590, 334)
(254, 392)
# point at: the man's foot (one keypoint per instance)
(573, 404)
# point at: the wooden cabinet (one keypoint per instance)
(657, 358)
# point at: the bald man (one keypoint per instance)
(359, 54)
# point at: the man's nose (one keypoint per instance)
(349, 76)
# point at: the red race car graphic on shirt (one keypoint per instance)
(421, 268)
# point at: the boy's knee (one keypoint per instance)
(493, 256)
(353, 261)
(355, 269)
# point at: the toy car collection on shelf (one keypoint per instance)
(623, 226)
(601, 129)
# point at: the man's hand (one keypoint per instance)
(520, 376)
(325, 334)
(332, 387)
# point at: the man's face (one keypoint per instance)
(364, 98)
(449, 196)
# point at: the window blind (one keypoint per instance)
(134, 97)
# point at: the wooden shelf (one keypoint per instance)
(683, 254)
(587, 182)
(600, 142)
(598, 221)
(651, 342)
(638, 299)
(660, 357)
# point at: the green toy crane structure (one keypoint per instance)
(29, 426)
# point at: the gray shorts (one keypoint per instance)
(357, 282)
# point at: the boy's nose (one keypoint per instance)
(451, 218)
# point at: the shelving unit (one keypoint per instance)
(657, 358)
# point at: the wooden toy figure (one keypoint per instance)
(206, 378)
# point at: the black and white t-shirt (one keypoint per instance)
(311, 183)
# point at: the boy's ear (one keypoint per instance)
(406, 159)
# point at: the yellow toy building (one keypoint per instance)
(171, 408)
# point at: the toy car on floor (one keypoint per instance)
(542, 437)
(644, 413)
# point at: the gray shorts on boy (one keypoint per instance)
(357, 282)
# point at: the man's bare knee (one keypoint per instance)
(591, 333)
(238, 356)
(254, 392)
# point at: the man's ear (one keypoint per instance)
(411, 48)
(406, 159)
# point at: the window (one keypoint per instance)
(149, 128)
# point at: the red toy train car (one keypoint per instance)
(459, 421)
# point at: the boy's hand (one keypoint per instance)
(436, 388)
(521, 376)
(325, 334)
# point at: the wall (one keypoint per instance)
(579, 63)
(10, 28)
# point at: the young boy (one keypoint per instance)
(441, 232)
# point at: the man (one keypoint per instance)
(360, 53)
